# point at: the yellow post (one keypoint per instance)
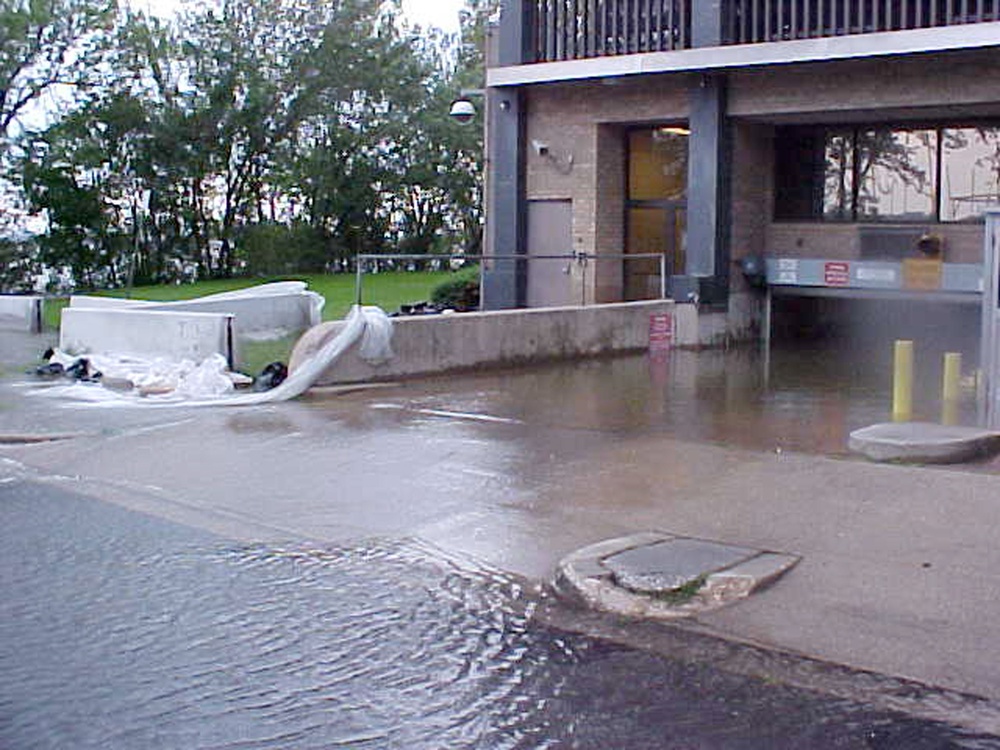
(902, 382)
(950, 394)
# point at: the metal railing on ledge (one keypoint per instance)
(753, 21)
(578, 29)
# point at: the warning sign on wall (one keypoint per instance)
(837, 273)
(661, 332)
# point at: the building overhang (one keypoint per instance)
(708, 59)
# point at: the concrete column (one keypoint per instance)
(504, 281)
(708, 191)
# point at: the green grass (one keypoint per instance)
(388, 290)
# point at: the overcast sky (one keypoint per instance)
(440, 13)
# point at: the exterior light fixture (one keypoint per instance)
(462, 111)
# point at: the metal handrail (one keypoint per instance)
(581, 258)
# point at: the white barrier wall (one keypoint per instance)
(438, 343)
(21, 313)
(260, 311)
(146, 333)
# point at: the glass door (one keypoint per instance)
(655, 206)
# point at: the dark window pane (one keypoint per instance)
(799, 167)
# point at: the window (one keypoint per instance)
(886, 174)
(971, 172)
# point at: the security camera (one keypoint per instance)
(542, 149)
(462, 111)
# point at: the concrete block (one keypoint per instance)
(146, 333)
(259, 312)
(21, 313)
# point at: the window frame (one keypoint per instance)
(855, 129)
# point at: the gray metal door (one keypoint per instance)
(550, 233)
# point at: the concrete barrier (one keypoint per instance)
(267, 310)
(424, 345)
(21, 313)
(146, 333)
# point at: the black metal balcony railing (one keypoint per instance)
(576, 29)
(751, 21)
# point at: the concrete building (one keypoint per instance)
(850, 145)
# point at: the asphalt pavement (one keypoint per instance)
(898, 565)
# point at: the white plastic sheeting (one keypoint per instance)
(209, 383)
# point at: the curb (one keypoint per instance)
(584, 576)
(923, 442)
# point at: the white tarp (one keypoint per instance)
(161, 381)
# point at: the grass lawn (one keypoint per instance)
(388, 290)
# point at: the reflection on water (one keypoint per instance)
(797, 398)
(119, 630)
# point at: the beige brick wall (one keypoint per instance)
(585, 123)
(752, 193)
(963, 243)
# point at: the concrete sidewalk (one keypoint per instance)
(900, 565)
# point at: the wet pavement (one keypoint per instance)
(120, 630)
(252, 577)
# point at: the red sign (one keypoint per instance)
(661, 332)
(836, 273)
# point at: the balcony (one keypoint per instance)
(580, 29)
(563, 30)
(753, 21)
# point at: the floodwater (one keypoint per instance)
(804, 396)
(119, 630)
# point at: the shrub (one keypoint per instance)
(460, 292)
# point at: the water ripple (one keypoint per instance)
(122, 631)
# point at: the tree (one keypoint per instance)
(46, 44)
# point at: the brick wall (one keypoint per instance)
(586, 121)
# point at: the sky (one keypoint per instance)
(440, 13)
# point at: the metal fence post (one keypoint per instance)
(988, 335)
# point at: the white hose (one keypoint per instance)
(369, 324)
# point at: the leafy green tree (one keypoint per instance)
(46, 44)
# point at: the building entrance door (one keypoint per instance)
(550, 233)
(656, 207)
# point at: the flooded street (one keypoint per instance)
(369, 569)
(118, 630)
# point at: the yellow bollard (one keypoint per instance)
(902, 382)
(950, 393)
